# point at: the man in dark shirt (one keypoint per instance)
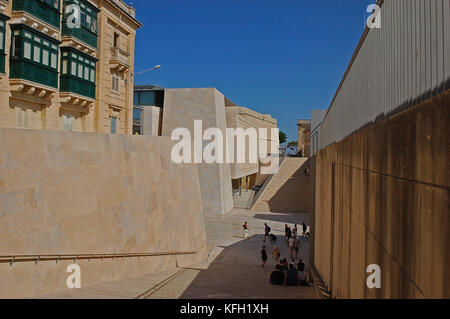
(277, 276)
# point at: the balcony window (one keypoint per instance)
(86, 15)
(34, 55)
(137, 121)
(34, 48)
(77, 72)
(2, 43)
(81, 65)
(52, 3)
(45, 10)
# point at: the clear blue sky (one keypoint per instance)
(282, 57)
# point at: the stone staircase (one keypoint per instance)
(289, 190)
(244, 200)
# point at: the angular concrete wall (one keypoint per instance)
(382, 198)
(79, 193)
(181, 108)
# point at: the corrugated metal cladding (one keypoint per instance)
(404, 62)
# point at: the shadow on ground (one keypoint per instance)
(237, 273)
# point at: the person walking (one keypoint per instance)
(245, 226)
(289, 235)
(291, 246)
(266, 232)
(297, 246)
(263, 255)
(286, 232)
(276, 254)
(305, 228)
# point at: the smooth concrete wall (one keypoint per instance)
(80, 193)
(382, 198)
(181, 108)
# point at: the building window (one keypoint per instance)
(116, 40)
(113, 125)
(137, 121)
(81, 66)
(52, 3)
(36, 48)
(22, 118)
(115, 83)
(68, 122)
(2, 45)
(86, 15)
(147, 98)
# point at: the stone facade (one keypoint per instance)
(381, 197)
(80, 193)
(304, 137)
(31, 104)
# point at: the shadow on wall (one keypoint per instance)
(295, 194)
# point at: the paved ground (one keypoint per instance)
(233, 268)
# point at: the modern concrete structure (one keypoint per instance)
(148, 102)
(159, 111)
(181, 108)
(246, 175)
(304, 137)
(381, 175)
(59, 76)
(316, 124)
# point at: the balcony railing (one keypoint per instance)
(120, 59)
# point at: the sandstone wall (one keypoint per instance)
(382, 198)
(81, 193)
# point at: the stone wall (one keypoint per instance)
(382, 198)
(81, 193)
(181, 108)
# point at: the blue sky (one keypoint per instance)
(282, 57)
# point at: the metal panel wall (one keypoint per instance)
(401, 64)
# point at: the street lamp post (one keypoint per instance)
(148, 70)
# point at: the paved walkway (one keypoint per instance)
(233, 268)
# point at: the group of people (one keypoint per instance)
(289, 276)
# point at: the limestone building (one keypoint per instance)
(67, 65)
(304, 137)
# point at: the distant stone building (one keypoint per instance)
(59, 75)
(304, 137)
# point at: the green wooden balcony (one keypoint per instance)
(81, 34)
(76, 85)
(34, 72)
(39, 9)
(2, 62)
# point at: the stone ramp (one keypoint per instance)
(290, 190)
